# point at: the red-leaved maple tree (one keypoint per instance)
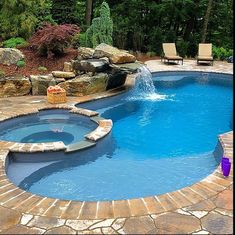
(51, 40)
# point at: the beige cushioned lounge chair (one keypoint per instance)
(205, 53)
(169, 53)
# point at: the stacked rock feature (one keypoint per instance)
(115, 55)
(85, 84)
(10, 56)
(97, 70)
(94, 70)
(14, 86)
(40, 83)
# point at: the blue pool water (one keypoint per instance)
(157, 144)
(46, 126)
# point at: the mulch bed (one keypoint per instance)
(33, 61)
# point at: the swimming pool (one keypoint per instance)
(47, 126)
(157, 145)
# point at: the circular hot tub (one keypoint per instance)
(47, 126)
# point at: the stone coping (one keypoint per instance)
(79, 145)
(104, 127)
(13, 197)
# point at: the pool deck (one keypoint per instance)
(203, 208)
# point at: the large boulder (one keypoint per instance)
(40, 83)
(115, 55)
(63, 74)
(10, 56)
(68, 67)
(85, 53)
(117, 77)
(85, 84)
(90, 65)
(14, 86)
(129, 68)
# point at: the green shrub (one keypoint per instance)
(221, 53)
(170, 36)
(75, 41)
(14, 42)
(215, 52)
(82, 40)
(155, 40)
(192, 46)
(79, 40)
(42, 69)
(64, 11)
(2, 73)
(230, 52)
(182, 48)
(20, 63)
(19, 18)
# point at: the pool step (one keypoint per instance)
(97, 119)
(79, 146)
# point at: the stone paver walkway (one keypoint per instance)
(211, 215)
(190, 65)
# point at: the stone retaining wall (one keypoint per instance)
(93, 71)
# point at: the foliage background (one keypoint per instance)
(138, 25)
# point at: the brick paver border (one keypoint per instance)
(17, 199)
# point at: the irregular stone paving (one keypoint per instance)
(213, 215)
(190, 65)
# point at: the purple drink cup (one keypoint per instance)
(225, 166)
(224, 160)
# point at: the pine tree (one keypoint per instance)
(101, 29)
(64, 11)
(19, 18)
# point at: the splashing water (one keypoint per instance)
(144, 81)
(144, 87)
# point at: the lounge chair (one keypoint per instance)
(205, 53)
(169, 53)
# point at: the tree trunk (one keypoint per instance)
(88, 11)
(206, 20)
(191, 21)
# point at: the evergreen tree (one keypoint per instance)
(44, 13)
(81, 12)
(19, 18)
(101, 29)
(64, 11)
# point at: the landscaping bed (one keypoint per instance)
(34, 61)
